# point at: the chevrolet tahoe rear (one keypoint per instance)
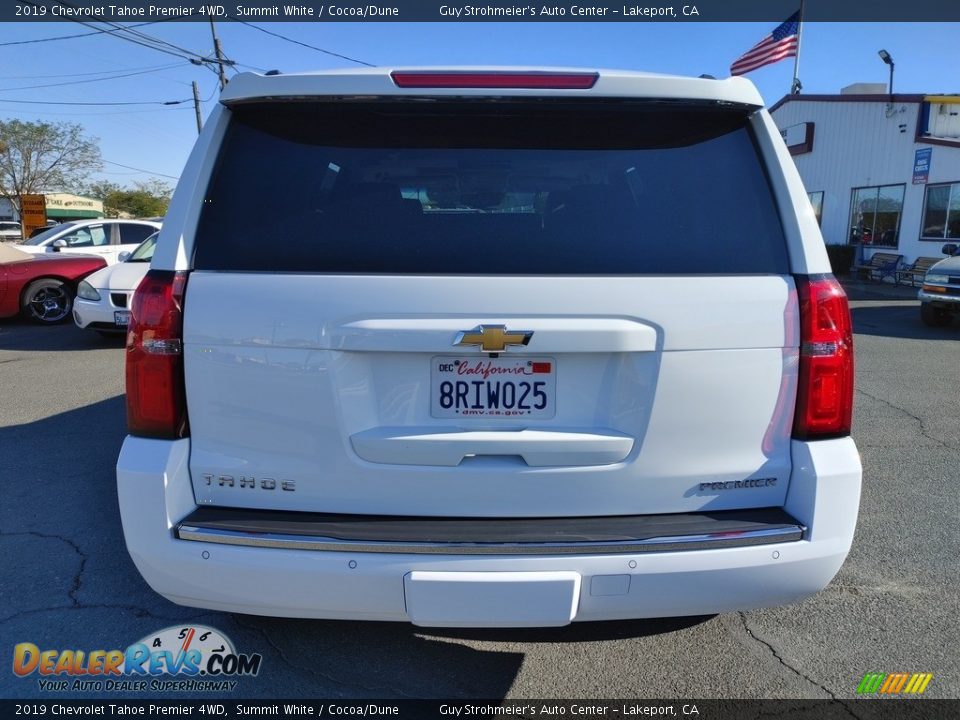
(508, 348)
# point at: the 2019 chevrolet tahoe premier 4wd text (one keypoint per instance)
(510, 348)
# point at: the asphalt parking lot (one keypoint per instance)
(69, 583)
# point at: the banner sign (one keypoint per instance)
(921, 166)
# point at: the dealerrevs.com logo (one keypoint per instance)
(179, 658)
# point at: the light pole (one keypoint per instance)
(885, 56)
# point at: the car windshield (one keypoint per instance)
(144, 251)
(47, 234)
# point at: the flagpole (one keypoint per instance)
(795, 85)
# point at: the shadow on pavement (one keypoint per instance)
(574, 633)
(899, 320)
(380, 659)
(20, 334)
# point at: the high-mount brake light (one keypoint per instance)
(495, 80)
(825, 391)
(156, 397)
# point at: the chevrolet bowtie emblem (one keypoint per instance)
(493, 338)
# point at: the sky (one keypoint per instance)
(153, 141)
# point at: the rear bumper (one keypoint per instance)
(155, 495)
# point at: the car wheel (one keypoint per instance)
(47, 301)
(934, 316)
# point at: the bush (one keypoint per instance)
(841, 258)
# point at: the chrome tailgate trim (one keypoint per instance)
(490, 536)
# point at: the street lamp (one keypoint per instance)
(885, 56)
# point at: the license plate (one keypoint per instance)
(121, 317)
(504, 387)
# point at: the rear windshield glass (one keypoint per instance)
(532, 188)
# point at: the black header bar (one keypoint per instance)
(228, 708)
(643, 11)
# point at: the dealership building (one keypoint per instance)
(882, 171)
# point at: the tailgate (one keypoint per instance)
(490, 307)
(308, 395)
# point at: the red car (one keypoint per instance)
(42, 287)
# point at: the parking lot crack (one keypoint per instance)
(77, 580)
(919, 420)
(138, 611)
(796, 671)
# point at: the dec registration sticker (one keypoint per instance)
(503, 387)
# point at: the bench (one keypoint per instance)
(881, 265)
(919, 268)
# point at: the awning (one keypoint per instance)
(64, 213)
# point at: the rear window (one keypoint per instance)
(532, 188)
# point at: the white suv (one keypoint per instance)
(512, 348)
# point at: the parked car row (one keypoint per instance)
(87, 269)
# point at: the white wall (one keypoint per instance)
(855, 145)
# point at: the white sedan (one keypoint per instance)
(106, 237)
(103, 299)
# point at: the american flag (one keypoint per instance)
(781, 43)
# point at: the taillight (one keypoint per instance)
(825, 393)
(156, 398)
(520, 80)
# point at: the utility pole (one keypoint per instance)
(196, 106)
(218, 53)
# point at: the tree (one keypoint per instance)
(40, 156)
(145, 199)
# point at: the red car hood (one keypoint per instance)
(71, 267)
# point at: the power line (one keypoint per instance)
(100, 103)
(135, 36)
(87, 74)
(70, 37)
(184, 55)
(152, 39)
(149, 172)
(252, 67)
(92, 80)
(94, 114)
(298, 42)
(149, 41)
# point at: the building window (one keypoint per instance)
(816, 200)
(875, 215)
(941, 213)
